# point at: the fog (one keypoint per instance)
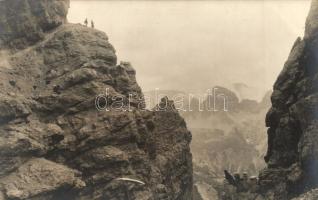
(194, 45)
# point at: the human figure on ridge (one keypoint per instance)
(92, 24)
(86, 22)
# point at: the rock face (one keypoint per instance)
(38, 176)
(292, 155)
(72, 123)
(24, 22)
(313, 194)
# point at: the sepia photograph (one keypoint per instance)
(158, 99)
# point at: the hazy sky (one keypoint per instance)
(195, 45)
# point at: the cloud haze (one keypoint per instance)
(194, 45)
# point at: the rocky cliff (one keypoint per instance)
(234, 140)
(25, 22)
(72, 123)
(292, 155)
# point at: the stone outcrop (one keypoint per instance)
(38, 176)
(234, 140)
(311, 195)
(292, 121)
(292, 155)
(72, 123)
(25, 22)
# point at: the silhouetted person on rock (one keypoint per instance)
(86, 22)
(92, 24)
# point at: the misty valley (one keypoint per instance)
(158, 100)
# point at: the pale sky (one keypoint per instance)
(195, 45)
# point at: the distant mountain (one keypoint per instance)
(235, 140)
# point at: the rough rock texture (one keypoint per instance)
(54, 142)
(311, 195)
(38, 176)
(292, 155)
(24, 22)
(233, 140)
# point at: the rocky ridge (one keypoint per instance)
(292, 120)
(291, 158)
(234, 140)
(54, 142)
